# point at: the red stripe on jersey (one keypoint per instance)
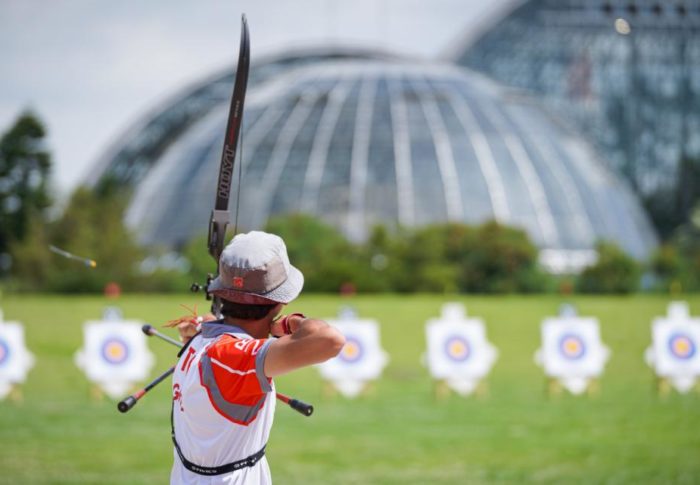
(233, 363)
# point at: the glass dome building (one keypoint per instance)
(360, 139)
(627, 71)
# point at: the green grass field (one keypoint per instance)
(398, 433)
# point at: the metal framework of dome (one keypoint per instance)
(627, 72)
(377, 140)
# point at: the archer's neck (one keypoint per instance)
(255, 328)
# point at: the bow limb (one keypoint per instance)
(220, 216)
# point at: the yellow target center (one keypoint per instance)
(682, 346)
(350, 350)
(571, 346)
(457, 348)
(115, 351)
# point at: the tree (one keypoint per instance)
(430, 258)
(92, 227)
(327, 260)
(201, 262)
(676, 264)
(24, 180)
(671, 207)
(667, 266)
(379, 265)
(31, 259)
(448, 258)
(614, 272)
(499, 259)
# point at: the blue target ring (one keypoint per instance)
(681, 346)
(572, 347)
(457, 348)
(352, 350)
(4, 352)
(115, 351)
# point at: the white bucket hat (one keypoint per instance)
(254, 269)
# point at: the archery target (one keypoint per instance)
(572, 347)
(681, 346)
(15, 358)
(4, 352)
(115, 350)
(457, 348)
(362, 357)
(674, 350)
(352, 350)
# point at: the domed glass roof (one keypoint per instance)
(626, 71)
(365, 141)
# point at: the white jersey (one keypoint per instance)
(223, 405)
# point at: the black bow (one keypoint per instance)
(220, 215)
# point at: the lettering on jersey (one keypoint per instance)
(177, 396)
(248, 345)
(187, 363)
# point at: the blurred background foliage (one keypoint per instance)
(445, 258)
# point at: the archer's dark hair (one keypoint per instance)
(245, 312)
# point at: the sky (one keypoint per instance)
(91, 68)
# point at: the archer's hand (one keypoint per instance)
(188, 325)
(286, 324)
(187, 330)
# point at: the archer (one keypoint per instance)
(224, 395)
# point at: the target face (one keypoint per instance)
(4, 352)
(572, 347)
(352, 351)
(681, 346)
(457, 348)
(115, 350)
